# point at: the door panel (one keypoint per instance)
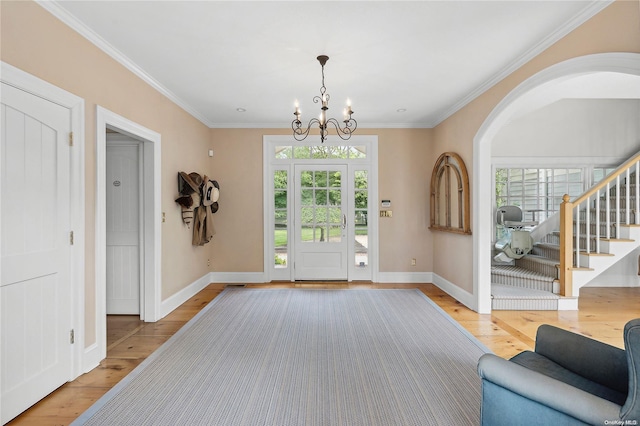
(320, 222)
(123, 230)
(35, 282)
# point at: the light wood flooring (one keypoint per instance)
(602, 315)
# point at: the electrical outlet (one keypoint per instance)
(413, 262)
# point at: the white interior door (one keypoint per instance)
(35, 281)
(123, 229)
(320, 219)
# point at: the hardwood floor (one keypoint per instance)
(602, 315)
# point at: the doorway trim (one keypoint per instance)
(29, 83)
(151, 287)
(625, 63)
(271, 164)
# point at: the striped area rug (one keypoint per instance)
(298, 357)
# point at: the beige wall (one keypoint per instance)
(36, 42)
(615, 29)
(405, 161)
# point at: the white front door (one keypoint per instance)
(35, 282)
(123, 229)
(320, 219)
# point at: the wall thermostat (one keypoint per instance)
(386, 203)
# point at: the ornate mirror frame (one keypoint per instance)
(443, 201)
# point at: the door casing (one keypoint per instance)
(152, 285)
(271, 164)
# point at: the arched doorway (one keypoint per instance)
(532, 89)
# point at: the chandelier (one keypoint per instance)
(345, 132)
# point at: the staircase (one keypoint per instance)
(534, 282)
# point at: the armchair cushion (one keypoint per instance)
(591, 359)
(536, 362)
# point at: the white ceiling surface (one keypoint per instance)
(427, 57)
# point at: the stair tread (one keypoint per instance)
(503, 291)
(541, 259)
(547, 244)
(517, 271)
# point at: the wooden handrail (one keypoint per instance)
(610, 178)
(567, 219)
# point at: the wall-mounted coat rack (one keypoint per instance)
(199, 201)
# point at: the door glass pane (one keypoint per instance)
(361, 181)
(281, 232)
(283, 152)
(335, 215)
(280, 200)
(319, 222)
(321, 197)
(361, 199)
(335, 233)
(361, 245)
(306, 179)
(302, 152)
(306, 197)
(358, 152)
(320, 235)
(335, 179)
(320, 179)
(361, 203)
(334, 197)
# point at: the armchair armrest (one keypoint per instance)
(594, 360)
(546, 390)
(631, 408)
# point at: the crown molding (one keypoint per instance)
(71, 21)
(587, 13)
(288, 126)
(53, 7)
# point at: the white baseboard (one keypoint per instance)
(172, 302)
(91, 358)
(237, 277)
(405, 277)
(462, 296)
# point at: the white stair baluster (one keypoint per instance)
(587, 213)
(637, 193)
(627, 205)
(577, 236)
(608, 211)
(617, 206)
(597, 221)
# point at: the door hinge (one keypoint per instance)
(70, 138)
(72, 337)
(71, 237)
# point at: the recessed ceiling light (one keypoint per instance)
(401, 110)
(241, 110)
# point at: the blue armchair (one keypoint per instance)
(568, 380)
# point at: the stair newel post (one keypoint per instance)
(566, 246)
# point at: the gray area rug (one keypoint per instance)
(305, 357)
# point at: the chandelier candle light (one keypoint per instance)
(345, 132)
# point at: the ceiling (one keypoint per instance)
(245, 63)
